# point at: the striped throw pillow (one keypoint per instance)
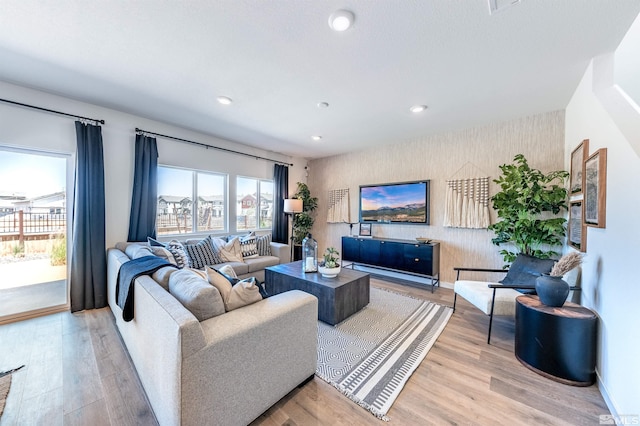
(263, 245)
(179, 253)
(202, 254)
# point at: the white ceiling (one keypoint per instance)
(168, 60)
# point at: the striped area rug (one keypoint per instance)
(370, 356)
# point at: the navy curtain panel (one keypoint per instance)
(144, 201)
(88, 259)
(280, 231)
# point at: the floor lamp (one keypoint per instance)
(291, 207)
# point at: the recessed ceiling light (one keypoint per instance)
(417, 108)
(224, 100)
(323, 105)
(316, 137)
(341, 20)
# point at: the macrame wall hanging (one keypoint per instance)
(338, 206)
(467, 203)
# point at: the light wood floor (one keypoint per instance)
(77, 372)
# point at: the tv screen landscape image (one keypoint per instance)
(403, 202)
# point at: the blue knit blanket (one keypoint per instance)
(127, 274)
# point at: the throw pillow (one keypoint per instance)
(248, 247)
(228, 271)
(524, 271)
(158, 248)
(196, 294)
(244, 292)
(202, 254)
(179, 253)
(154, 243)
(232, 252)
(263, 245)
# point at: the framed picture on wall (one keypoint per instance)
(578, 159)
(576, 227)
(595, 190)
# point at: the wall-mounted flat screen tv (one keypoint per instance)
(402, 202)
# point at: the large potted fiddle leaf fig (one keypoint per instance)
(302, 222)
(529, 206)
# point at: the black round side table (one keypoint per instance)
(558, 343)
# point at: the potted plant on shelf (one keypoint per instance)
(551, 288)
(329, 267)
(528, 206)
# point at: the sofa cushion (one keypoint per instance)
(263, 245)
(240, 268)
(196, 294)
(248, 247)
(261, 262)
(234, 296)
(179, 253)
(202, 254)
(161, 276)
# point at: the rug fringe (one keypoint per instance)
(369, 408)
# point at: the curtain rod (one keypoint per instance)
(257, 157)
(52, 111)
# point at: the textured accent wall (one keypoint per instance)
(474, 152)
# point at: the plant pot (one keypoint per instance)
(329, 272)
(552, 291)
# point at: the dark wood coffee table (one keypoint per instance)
(338, 298)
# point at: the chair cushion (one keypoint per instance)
(524, 271)
(479, 295)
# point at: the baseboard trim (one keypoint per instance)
(33, 314)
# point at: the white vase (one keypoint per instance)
(329, 272)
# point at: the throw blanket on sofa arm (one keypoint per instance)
(127, 274)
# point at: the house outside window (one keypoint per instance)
(184, 194)
(254, 203)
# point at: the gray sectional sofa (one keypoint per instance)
(225, 370)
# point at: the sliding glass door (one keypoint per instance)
(34, 232)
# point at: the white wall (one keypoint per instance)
(468, 153)
(27, 128)
(610, 283)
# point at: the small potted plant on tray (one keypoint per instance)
(329, 267)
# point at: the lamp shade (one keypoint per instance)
(292, 205)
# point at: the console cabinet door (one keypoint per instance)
(392, 255)
(418, 258)
(370, 251)
(351, 249)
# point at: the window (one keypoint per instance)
(183, 193)
(254, 204)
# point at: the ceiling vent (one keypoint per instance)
(496, 6)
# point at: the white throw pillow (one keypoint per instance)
(243, 293)
(228, 270)
(232, 252)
